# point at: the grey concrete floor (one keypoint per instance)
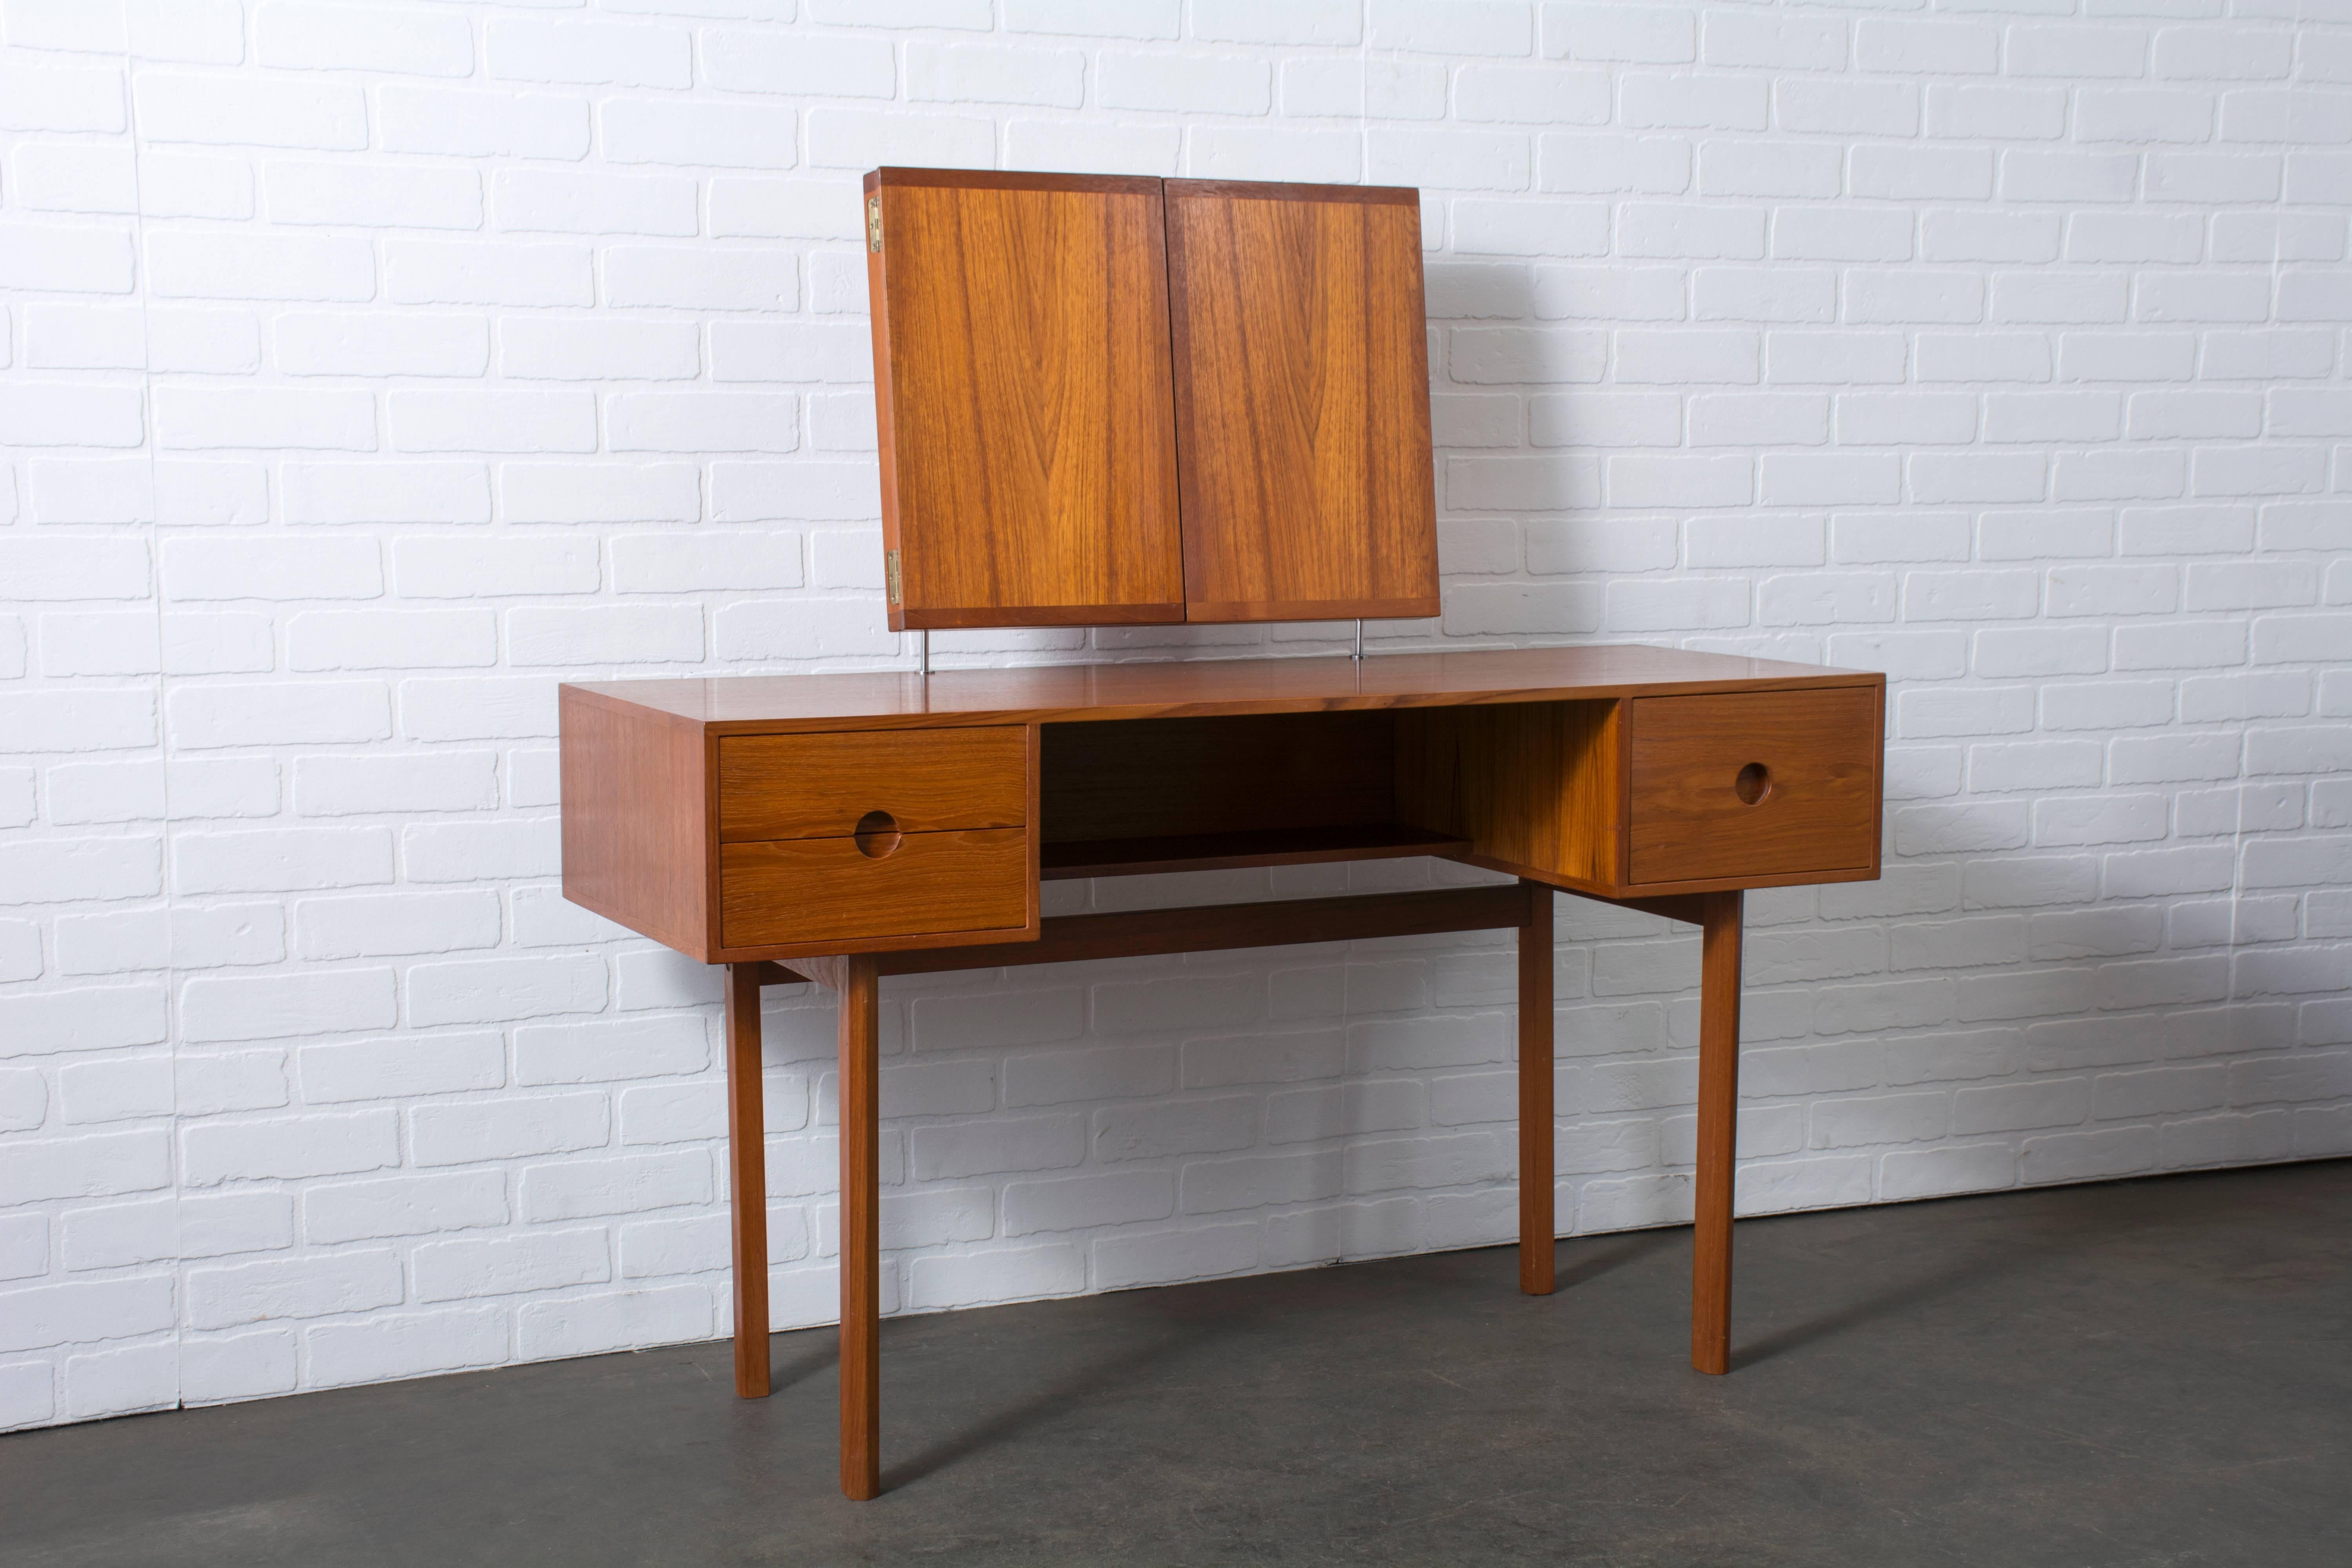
(2145, 1372)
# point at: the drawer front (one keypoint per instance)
(1759, 783)
(819, 786)
(793, 891)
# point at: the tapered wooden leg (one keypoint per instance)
(1718, 1108)
(1535, 1227)
(861, 1234)
(747, 1171)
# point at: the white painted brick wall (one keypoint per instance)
(366, 369)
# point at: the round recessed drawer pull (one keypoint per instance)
(1753, 785)
(876, 835)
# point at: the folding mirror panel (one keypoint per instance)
(1116, 401)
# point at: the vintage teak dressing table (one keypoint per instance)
(1113, 401)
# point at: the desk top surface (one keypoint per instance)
(1207, 686)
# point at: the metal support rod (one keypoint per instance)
(923, 643)
(1359, 637)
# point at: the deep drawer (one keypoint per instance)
(822, 785)
(1754, 783)
(795, 892)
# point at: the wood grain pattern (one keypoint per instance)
(633, 781)
(811, 892)
(1143, 933)
(1718, 1114)
(1818, 749)
(1535, 787)
(1302, 401)
(1023, 401)
(1097, 693)
(861, 1230)
(1296, 191)
(1217, 928)
(1538, 1224)
(1162, 777)
(641, 773)
(819, 786)
(747, 1180)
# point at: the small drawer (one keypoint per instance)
(822, 785)
(799, 891)
(1754, 783)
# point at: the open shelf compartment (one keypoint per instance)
(1230, 851)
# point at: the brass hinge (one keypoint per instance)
(890, 573)
(874, 221)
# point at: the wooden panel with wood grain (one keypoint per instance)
(822, 785)
(634, 782)
(1302, 401)
(1023, 398)
(1213, 927)
(1754, 785)
(1209, 688)
(1536, 787)
(826, 894)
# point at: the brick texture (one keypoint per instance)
(366, 369)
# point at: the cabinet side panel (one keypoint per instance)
(634, 819)
(1029, 435)
(1600, 795)
(1878, 779)
(1534, 786)
(1302, 401)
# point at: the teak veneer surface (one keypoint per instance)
(822, 785)
(807, 891)
(1111, 400)
(1820, 751)
(1532, 785)
(1210, 928)
(632, 830)
(1301, 365)
(1070, 693)
(1021, 376)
